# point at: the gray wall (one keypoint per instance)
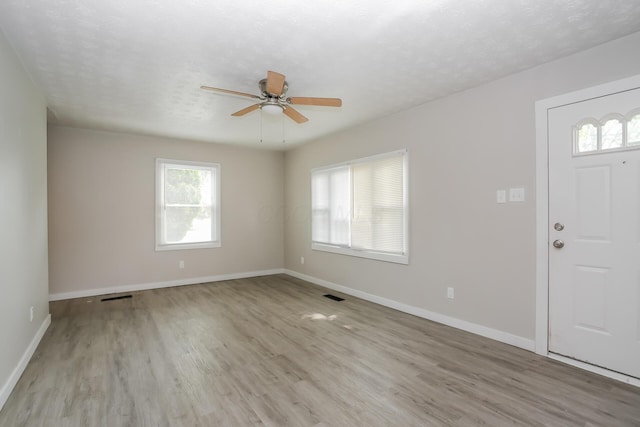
(102, 211)
(23, 213)
(462, 149)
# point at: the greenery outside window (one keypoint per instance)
(187, 205)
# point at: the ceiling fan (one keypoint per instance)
(273, 98)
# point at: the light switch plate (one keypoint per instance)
(516, 194)
(501, 196)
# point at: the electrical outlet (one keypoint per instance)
(31, 314)
(301, 260)
(181, 264)
(450, 294)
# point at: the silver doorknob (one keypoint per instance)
(559, 244)
(558, 227)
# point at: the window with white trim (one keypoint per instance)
(360, 208)
(187, 205)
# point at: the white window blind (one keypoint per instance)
(331, 206)
(187, 205)
(360, 208)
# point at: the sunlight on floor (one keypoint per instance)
(319, 316)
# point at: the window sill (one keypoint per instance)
(378, 256)
(184, 246)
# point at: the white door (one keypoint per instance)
(594, 236)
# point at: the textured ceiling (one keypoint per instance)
(137, 65)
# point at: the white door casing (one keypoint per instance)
(594, 297)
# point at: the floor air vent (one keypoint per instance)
(115, 298)
(333, 297)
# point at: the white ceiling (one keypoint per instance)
(137, 65)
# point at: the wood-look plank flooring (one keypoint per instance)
(272, 351)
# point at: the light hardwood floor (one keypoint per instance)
(272, 351)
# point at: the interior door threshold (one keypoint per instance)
(596, 369)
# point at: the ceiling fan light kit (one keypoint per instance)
(272, 108)
(273, 92)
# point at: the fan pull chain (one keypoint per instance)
(261, 125)
(283, 138)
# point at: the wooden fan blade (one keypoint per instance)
(294, 115)
(246, 110)
(275, 83)
(232, 92)
(326, 102)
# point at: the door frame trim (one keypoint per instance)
(542, 108)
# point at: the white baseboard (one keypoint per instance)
(158, 285)
(484, 331)
(8, 386)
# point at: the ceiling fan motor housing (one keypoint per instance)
(267, 95)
